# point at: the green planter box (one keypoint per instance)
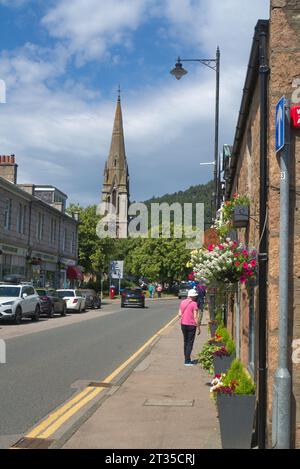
(236, 418)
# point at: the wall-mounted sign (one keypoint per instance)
(295, 116)
(280, 124)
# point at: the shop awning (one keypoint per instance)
(74, 273)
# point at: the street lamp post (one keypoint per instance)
(214, 64)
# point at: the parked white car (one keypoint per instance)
(74, 299)
(17, 302)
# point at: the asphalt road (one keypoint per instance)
(43, 367)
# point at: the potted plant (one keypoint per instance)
(234, 392)
(205, 357)
(225, 353)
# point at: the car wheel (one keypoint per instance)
(79, 309)
(51, 312)
(64, 311)
(122, 305)
(36, 316)
(18, 316)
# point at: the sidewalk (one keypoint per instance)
(161, 405)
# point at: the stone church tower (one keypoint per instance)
(115, 188)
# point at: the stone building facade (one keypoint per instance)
(243, 176)
(37, 240)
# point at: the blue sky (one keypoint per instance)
(62, 62)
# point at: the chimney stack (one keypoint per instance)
(8, 168)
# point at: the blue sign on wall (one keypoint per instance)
(280, 124)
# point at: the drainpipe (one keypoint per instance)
(282, 381)
(263, 257)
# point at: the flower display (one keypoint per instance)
(227, 262)
(221, 352)
(218, 386)
(236, 380)
(223, 223)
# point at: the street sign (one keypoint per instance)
(116, 269)
(280, 124)
(295, 116)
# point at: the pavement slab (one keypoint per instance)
(182, 414)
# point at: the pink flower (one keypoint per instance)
(237, 263)
(245, 265)
(243, 279)
(245, 252)
(236, 254)
(221, 246)
(210, 247)
(253, 263)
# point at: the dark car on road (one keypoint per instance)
(133, 297)
(51, 303)
(183, 290)
(92, 300)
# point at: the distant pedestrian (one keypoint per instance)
(151, 290)
(189, 319)
(159, 290)
(201, 290)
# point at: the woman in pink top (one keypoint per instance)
(189, 319)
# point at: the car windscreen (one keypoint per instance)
(64, 293)
(185, 286)
(41, 292)
(13, 292)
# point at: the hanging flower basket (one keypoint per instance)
(240, 216)
(234, 213)
(226, 263)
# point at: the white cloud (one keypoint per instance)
(60, 129)
(91, 27)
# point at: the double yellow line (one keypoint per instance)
(55, 420)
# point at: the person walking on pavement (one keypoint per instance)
(189, 320)
(159, 290)
(151, 290)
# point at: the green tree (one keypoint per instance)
(94, 253)
(159, 259)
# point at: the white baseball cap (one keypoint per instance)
(192, 293)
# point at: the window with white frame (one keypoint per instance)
(21, 218)
(40, 226)
(65, 236)
(7, 214)
(53, 229)
(73, 245)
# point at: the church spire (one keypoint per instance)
(115, 188)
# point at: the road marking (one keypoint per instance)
(52, 417)
(55, 420)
